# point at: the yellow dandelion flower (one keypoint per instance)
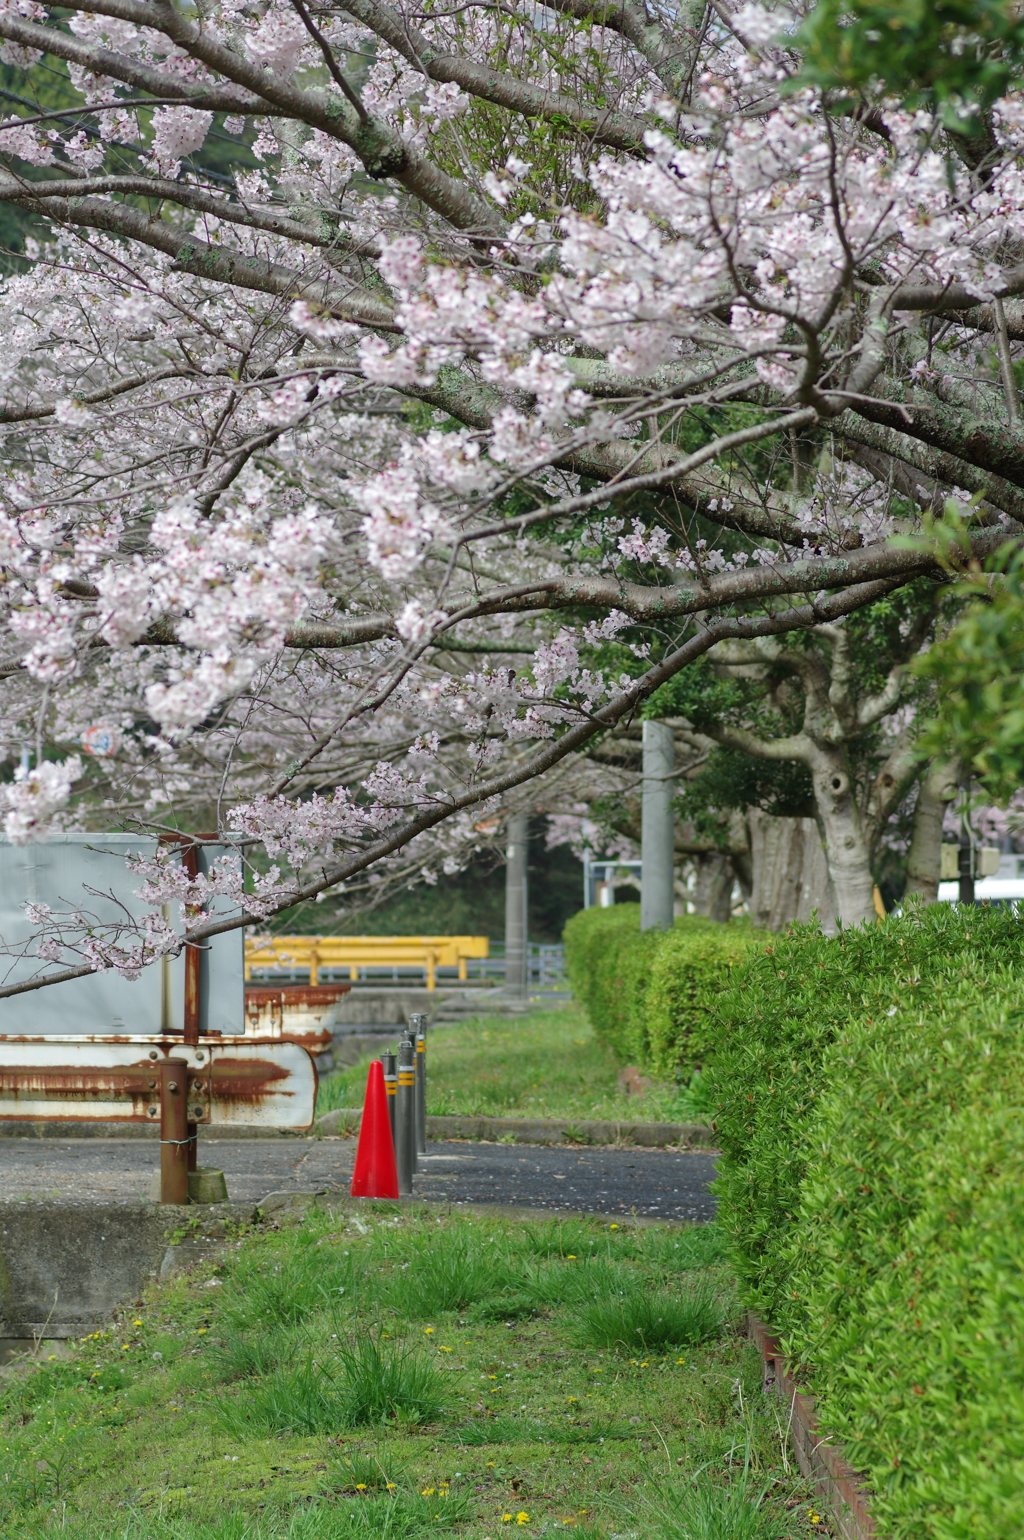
(427, 1492)
(522, 1518)
(506, 1518)
(360, 1486)
(428, 1331)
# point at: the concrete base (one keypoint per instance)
(391, 1007)
(65, 1266)
(205, 1185)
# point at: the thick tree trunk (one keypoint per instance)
(712, 895)
(788, 872)
(849, 859)
(937, 789)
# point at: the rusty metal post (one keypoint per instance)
(405, 1116)
(174, 1139)
(390, 1064)
(418, 1027)
(190, 1020)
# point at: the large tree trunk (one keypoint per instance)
(789, 873)
(937, 789)
(712, 894)
(849, 860)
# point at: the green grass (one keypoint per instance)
(640, 1319)
(365, 1415)
(547, 1064)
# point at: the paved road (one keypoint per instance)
(666, 1184)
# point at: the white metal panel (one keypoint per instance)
(87, 872)
(271, 1084)
(1004, 889)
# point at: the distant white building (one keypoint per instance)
(1004, 885)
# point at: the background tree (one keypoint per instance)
(527, 330)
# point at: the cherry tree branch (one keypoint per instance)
(618, 130)
(818, 612)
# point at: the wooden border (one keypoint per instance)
(839, 1487)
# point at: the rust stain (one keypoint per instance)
(250, 1081)
(295, 994)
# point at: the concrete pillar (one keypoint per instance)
(516, 853)
(657, 833)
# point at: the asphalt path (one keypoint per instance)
(666, 1184)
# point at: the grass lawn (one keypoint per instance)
(404, 1375)
(546, 1064)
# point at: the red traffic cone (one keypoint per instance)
(375, 1174)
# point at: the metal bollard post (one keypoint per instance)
(390, 1064)
(410, 1037)
(418, 1026)
(405, 1116)
(174, 1136)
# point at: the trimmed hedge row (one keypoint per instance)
(869, 1094)
(650, 995)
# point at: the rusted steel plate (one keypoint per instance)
(299, 1012)
(268, 1082)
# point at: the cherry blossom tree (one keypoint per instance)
(527, 355)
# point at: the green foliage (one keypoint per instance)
(906, 1259)
(730, 779)
(650, 995)
(979, 669)
(776, 1026)
(946, 53)
(608, 958)
(704, 696)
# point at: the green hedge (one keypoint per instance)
(650, 995)
(869, 1104)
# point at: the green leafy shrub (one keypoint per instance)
(906, 1260)
(609, 961)
(690, 968)
(650, 994)
(777, 1026)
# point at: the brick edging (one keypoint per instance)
(839, 1487)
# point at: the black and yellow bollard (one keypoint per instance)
(405, 1116)
(418, 1027)
(390, 1064)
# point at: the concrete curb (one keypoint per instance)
(584, 1131)
(65, 1265)
(288, 1206)
(344, 1123)
(839, 1487)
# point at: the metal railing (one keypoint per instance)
(546, 970)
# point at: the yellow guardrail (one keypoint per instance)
(355, 952)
